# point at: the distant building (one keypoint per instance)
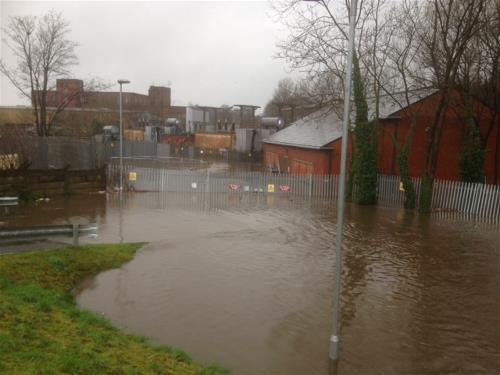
(198, 120)
(313, 144)
(156, 106)
(207, 119)
(85, 112)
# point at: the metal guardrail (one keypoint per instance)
(9, 201)
(73, 230)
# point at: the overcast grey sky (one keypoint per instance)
(212, 53)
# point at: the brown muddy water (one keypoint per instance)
(247, 282)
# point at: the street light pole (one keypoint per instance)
(335, 338)
(121, 82)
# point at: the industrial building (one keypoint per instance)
(155, 107)
(86, 112)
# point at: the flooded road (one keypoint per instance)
(247, 282)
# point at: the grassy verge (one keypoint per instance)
(42, 331)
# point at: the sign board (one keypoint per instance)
(401, 187)
(132, 176)
(285, 188)
(234, 187)
(194, 185)
(270, 188)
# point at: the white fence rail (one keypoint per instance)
(468, 199)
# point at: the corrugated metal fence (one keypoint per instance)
(449, 197)
(78, 154)
(60, 152)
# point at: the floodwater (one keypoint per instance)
(247, 282)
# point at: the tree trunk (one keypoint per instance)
(473, 149)
(426, 194)
(432, 152)
(404, 170)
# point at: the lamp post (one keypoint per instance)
(335, 338)
(121, 82)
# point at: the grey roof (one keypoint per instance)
(325, 126)
(313, 131)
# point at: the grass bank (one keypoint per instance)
(42, 331)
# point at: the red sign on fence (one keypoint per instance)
(285, 188)
(234, 186)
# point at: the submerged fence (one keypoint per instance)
(470, 199)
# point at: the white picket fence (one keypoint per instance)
(478, 200)
(390, 193)
(449, 197)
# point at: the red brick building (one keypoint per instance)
(312, 144)
(157, 102)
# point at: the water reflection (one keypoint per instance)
(78, 209)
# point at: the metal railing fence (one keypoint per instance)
(72, 230)
(469, 199)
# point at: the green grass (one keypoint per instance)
(42, 331)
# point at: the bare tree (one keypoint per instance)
(316, 44)
(284, 94)
(317, 47)
(44, 53)
(287, 97)
(448, 29)
(479, 77)
(395, 70)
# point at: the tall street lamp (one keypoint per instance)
(335, 338)
(121, 82)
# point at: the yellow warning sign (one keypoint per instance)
(270, 188)
(132, 176)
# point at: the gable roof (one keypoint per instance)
(313, 131)
(324, 126)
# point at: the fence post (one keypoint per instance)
(310, 186)
(207, 187)
(76, 234)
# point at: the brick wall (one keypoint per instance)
(448, 164)
(297, 160)
(322, 161)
